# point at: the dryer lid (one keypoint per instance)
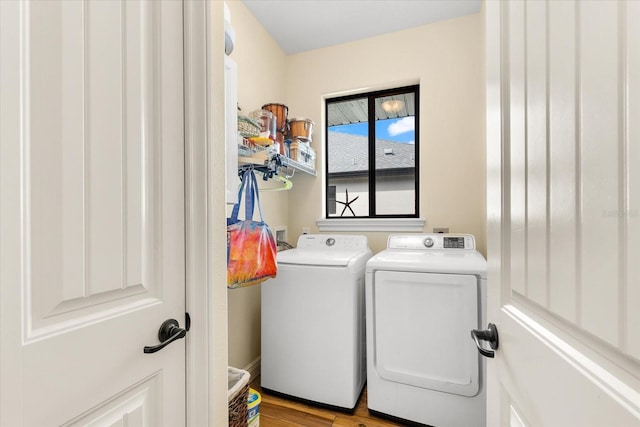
(447, 262)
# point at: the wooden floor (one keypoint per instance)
(278, 412)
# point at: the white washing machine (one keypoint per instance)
(313, 325)
(424, 294)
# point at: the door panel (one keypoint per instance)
(552, 379)
(94, 186)
(563, 167)
(534, 239)
(601, 159)
(564, 219)
(434, 313)
(130, 408)
(632, 148)
(89, 202)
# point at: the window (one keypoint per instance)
(372, 155)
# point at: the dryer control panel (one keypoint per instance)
(435, 241)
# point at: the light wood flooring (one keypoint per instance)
(276, 411)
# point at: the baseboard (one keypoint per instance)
(253, 368)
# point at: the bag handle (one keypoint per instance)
(246, 180)
(248, 200)
(251, 193)
(255, 190)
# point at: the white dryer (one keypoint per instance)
(424, 294)
(313, 326)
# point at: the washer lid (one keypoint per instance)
(328, 257)
(326, 249)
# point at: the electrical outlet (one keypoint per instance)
(440, 229)
(305, 230)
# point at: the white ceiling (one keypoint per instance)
(302, 25)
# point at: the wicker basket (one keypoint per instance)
(247, 127)
(238, 394)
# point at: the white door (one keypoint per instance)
(564, 212)
(92, 212)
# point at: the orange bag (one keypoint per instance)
(251, 248)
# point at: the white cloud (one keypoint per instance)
(406, 124)
(412, 142)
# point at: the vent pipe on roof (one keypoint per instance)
(388, 151)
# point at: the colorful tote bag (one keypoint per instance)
(251, 249)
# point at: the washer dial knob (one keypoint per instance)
(330, 241)
(428, 242)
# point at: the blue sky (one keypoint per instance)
(398, 130)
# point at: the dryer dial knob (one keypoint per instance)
(428, 242)
(330, 241)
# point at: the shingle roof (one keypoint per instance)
(348, 153)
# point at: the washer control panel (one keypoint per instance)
(332, 241)
(434, 241)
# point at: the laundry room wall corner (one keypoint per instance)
(260, 81)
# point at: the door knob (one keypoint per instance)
(490, 335)
(169, 332)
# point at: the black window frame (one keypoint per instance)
(371, 97)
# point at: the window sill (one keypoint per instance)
(371, 224)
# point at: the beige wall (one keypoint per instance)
(261, 80)
(445, 58)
